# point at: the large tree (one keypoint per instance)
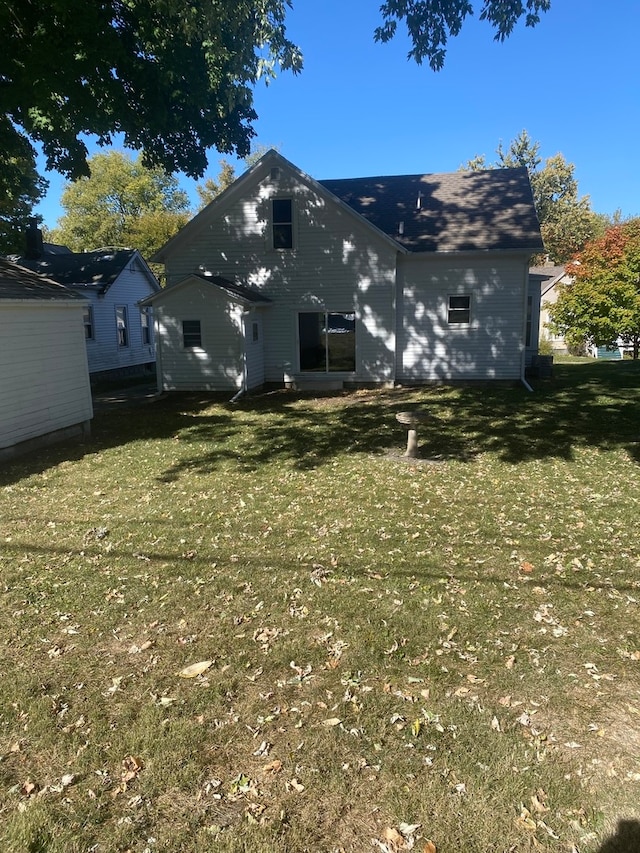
(603, 302)
(122, 203)
(566, 219)
(431, 22)
(20, 189)
(175, 78)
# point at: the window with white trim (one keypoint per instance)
(191, 334)
(146, 324)
(459, 310)
(122, 328)
(282, 223)
(87, 319)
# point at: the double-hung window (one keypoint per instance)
(121, 326)
(191, 334)
(145, 325)
(327, 341)
(282, 223)
(459, 310)
(87, 319)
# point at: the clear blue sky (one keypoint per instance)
(360, 108)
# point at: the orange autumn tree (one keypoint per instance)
(602, 304)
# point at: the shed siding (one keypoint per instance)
(218, 364)
(44, 381)
(337, 264)
(103, 352)
(490, 347)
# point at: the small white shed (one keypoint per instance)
(209, 335)
(45, 393)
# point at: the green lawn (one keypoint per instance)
(393, 656)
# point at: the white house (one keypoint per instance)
(401, 279)
(552, 279)
(44, 380)
(118, 332)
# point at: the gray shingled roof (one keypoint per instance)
(19, 284)
(246, 293)
(96, 270)
(457, 211)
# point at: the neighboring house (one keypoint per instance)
(551, 279)
(44, 380)
(403, 279)
(118, 332)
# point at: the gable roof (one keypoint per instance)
(238, 292)
(484, 210)
(87, 270)
(20, 285)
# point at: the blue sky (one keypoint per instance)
(360, 108)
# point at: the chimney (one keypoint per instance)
(35, 248)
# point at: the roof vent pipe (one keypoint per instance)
(400, 228)
(419, 201)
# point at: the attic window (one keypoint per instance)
(282, 222)
(275, 173)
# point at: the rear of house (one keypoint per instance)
(409, 279)
(44, 380)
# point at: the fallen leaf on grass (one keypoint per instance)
(392, 836)
(195, 669)
(331, 722)
(274, 766)
(429, 847)
(525, 567)
(537, 803)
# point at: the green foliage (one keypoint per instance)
(175, 79)
(603, 302)
(566, 220)
(212, 187)
(122, 203)
(430, 24)
(545, 347)
(20, 187)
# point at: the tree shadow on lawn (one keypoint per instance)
(585, 405)
(626, 838)
(123, 424)
(595, 404)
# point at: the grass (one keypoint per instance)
(394, 656)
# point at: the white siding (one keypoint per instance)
(219, 363)
(254, 350)
(337, 264)
(44, 380)
(490, 347)
(103, 351)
